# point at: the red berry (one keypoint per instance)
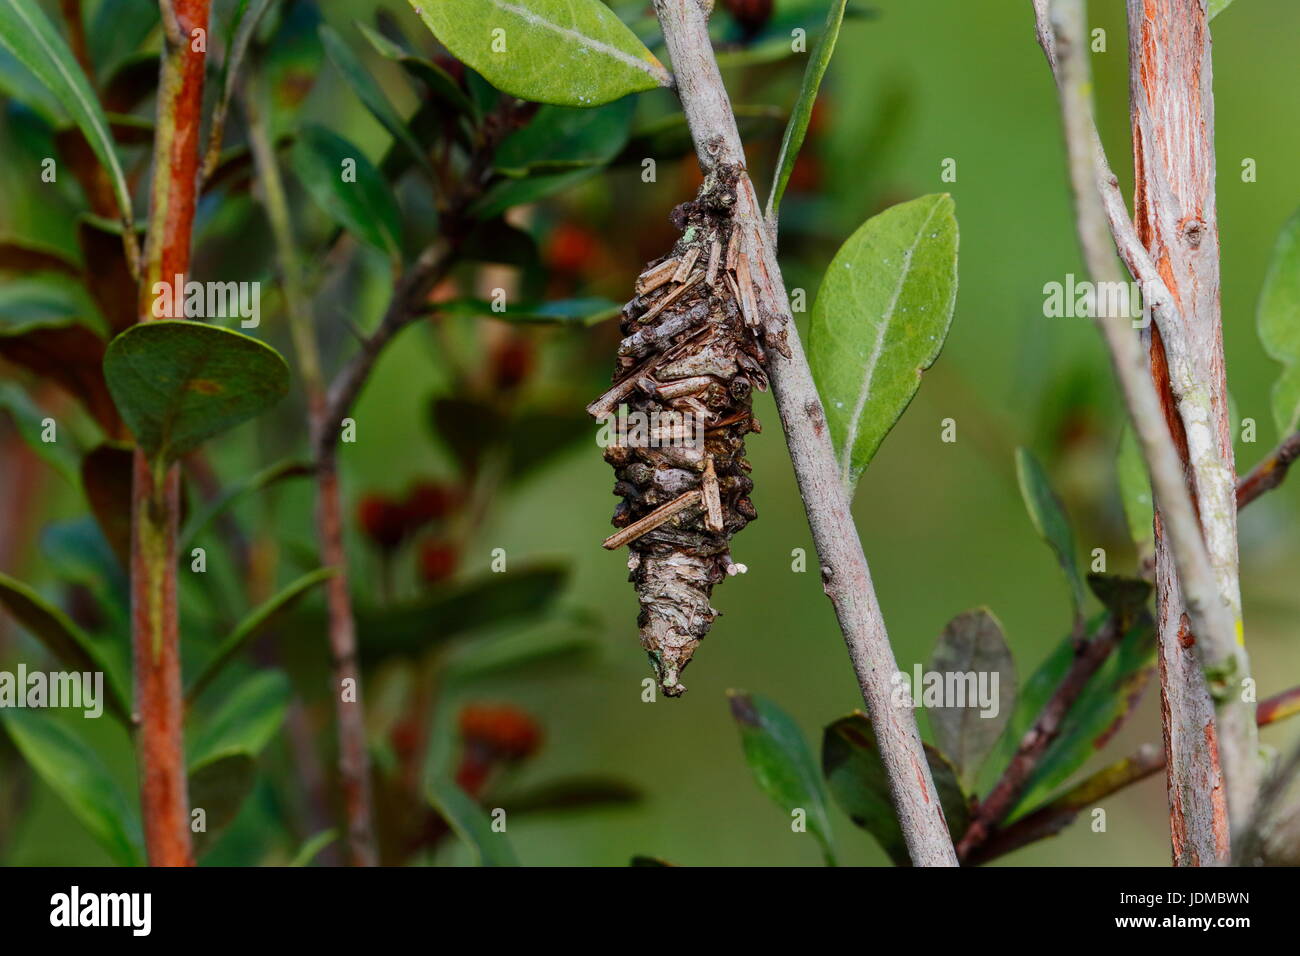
(383, 520)
(512, 362)
(507, 731)
(437, 561)
(571, 249)
(428, 501)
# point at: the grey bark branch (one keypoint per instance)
(1193, 781)
(845, 575)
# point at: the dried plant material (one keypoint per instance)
(687, 368)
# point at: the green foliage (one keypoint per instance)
(797, 127)
(1135, 494)
(1048, 516)
(566, 52)
(1215, 7)
(880, 319)
(242, 722)
(562, 138)
(69, 765)
(345, 184)
(32, 39)
(972, 643)
(783, 765)
(472, 824)
(856, 775)
(179, 383)
(1279, 324)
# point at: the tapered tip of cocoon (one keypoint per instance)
(674, 590)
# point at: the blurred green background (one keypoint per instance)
(915, 83)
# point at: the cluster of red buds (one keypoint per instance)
(389, 522)
(494, 736)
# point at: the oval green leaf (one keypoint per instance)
(972, 645)
(567, 52)
(782, 762)
(880, 319)
(355, 196)
(179, 383)
(1279, 324)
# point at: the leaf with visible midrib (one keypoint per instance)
(1279, 324)
(972, 643)
(783, 765)
(880, 319)
(366, 207)
(178, 383)
(71, 768)
(29, 35)
(567, 52)
(1048, 517)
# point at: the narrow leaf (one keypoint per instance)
(1135, 495)
(259, 481)
(76, 649)
(370, 94)
(243, 722)
(783, 765)
(439, 81)
(567, 52)
(219, 788)
(107, 472)
(880, 320)
(560, 138)
(71, 768)
(254, 624)
(858, 781)
(973, 648)
(1048, 517)
(179, 383)
(471, 824)
(29, 35)
(1279, 324)
(797, 127)
(1215, 7)
(313, 846)
(344, 183)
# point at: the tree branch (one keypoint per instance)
(1099, 201)
(1269, 473)
(155, 497)
(845, 575)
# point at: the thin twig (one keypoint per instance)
(1002, 798)
(1053, 817)
(845, 575)
(1269, 473)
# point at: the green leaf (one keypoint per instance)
(1125, 598)
(880, 319)
(71, 768)
(313, 846)
(219, 787)
(179, 383)
(76, 649)
(572, 793)
(28, 419)
(1048, 517)
(29, 35)
(243, 722)
(858, 781)
(260, 481)
(364, 205)
(1101, 709)
(1215, 7)
(783, 765)
(291, 61)
(471, 824)
(577, 312)
(25, 256)
(439, 81)
(509, 193)
(118, 29)
(371, 95)
(797, 127)
(973, 643)
(1279, 324)
(566, 52)
(1135, 495)
(255, 623)
(66, 354)
(561, 138)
